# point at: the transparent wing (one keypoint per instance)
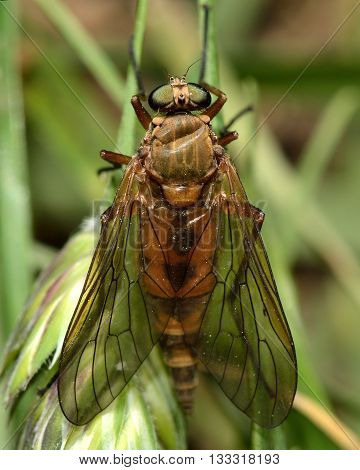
(112, 331)
(244, 339)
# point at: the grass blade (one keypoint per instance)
(326, 137)
(88, 50)
(333, 428)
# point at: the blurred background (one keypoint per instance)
(298, 63)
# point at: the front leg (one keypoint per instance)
(214, 109)
(141, 113)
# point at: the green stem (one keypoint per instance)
(88, 50)
(211, 73)
(15, 227)
(126, 136)
(268, 439)
(126, 139)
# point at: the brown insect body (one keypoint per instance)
(181, 156)
(180, 262)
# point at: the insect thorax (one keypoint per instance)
(181, 149)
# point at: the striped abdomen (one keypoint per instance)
(177, 251)
(182, 362)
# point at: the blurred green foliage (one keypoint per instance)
(299, 161)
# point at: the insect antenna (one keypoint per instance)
(187, 70)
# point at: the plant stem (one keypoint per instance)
(211, 72)
(15, 226)
(267, 439)
(126, 135)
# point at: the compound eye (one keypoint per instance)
(172, 79)
(199, 96)
(183, 80)
(161, 97)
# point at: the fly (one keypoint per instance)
(180, 262)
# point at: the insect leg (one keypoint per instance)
(237, 116)
(141, 113)
(116, 159)
(227, 137)
(213, 110)
(105, 169)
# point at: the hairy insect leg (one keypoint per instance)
(227, 137)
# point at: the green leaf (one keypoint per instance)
(43, 325)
